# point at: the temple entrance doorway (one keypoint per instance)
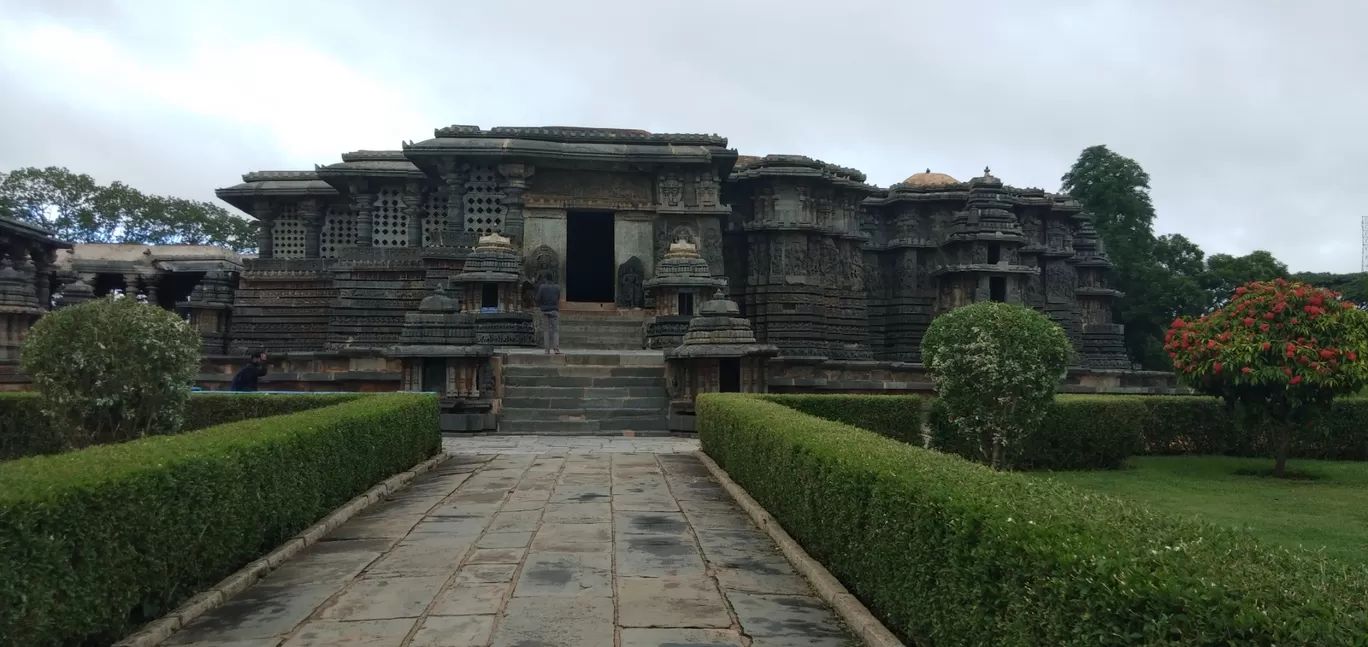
(589, 255)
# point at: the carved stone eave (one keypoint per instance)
(275, 184)
(1099, 292)
(30, 232)
(365, 165)
(478, 351)
(984, 268)
(720, 351)
(429, 152)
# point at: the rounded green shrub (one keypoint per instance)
(995, 367)
(110, 370)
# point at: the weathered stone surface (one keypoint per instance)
(671, 602)
(258, 613)
(761, 576)
(432, 554)
(556, 622)
(454, 631)
(486, 573)
(504, 540)
(524, 521)
(565, 575)
(657, 556)
(364, 633)
(577, 533)
(578, 513)
(680, 638)
(496, 556)
(785, 615)
(380, 599)
(468, 598)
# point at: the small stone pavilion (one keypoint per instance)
(28, 276)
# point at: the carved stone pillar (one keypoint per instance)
(413, 198)
(516, 176)
(42, 278)
(130, 285)
(150, 288)
(265, 216)
(364, 204)
(312, 215)
(454, 227)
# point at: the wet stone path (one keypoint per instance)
(551, 546)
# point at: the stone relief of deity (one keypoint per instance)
(631, 276)
(671, 190)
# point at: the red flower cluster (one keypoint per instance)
(1270, 332)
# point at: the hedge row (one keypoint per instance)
(25, 432)
(950, 553)
(898, 417)
(95, 542)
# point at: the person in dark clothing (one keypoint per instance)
(548, 299)
(246, 379)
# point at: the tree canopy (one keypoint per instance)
(80, 210)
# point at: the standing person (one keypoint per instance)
(246, 379)
(548, 299)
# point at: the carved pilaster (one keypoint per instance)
(413, 200)
(455, 178)
(516, 176)
(265, 216)
(364, 205)
(312, 215)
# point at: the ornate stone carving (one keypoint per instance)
(671, 189)
(711, 248)
(1059, 280)
(557, 188)
(543, 265)
(631, 276)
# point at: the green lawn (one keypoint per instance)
(1329, 513)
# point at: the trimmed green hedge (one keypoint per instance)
(96, 541)
(895, 416)
(25, 432)
(950, 553)
(1088, 432)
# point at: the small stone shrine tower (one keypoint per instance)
(208, 308)
(682, 282)
(19, 308)
(1103, 341)
(439, 354)
(719, 354)
(491, 283)
(983, 250)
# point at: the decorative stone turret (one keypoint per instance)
(491, 283)
(1103, 341)
(719, 354)
(19, 308)
(682, 282)
(439, 353)
(78, 290)
(983, 250)
(208, 309)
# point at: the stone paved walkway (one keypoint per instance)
(537, 542)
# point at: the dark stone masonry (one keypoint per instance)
(837, 278)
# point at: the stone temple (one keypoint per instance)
(414, 269)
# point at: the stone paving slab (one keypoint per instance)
(517, 542)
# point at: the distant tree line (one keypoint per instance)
(1167, 276)
(80, 210)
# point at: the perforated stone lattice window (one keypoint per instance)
(484, 209)
(435, 213)
(390, 222)
(287, 234)
(339, 232)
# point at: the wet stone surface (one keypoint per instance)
(558, 542)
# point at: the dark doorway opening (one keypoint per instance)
(589, 266)
(434, 375)
(997, 289)
(730, 375)
(489, 295)
(994, 253)
(686, 304)
(176, 287)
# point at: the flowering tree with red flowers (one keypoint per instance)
(1279, 350)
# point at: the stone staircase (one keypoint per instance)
(599, 330)
(584, 392)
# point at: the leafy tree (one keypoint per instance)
(79, 209)
(1354, 286)
(1225, 273)
(1115, 189)
(1278, 350)
(995, 367)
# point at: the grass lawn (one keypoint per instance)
(1329, 513)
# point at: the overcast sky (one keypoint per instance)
(1248, 114)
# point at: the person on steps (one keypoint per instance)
(246, 379)
(548, 299)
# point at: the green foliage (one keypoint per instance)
(1226, 273)
(24, 431)
(1281, 351)
(1074, 434)
(949, 553)
(112, 369)
(1353, 286)
(996, 367)
(79, 209)
(895, 416)
(94, 542)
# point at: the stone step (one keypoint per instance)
(578, 415)
(655, 403)
(628, 357)
(582, 381)
(581, 393)
(583, 427)
(574, 370)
